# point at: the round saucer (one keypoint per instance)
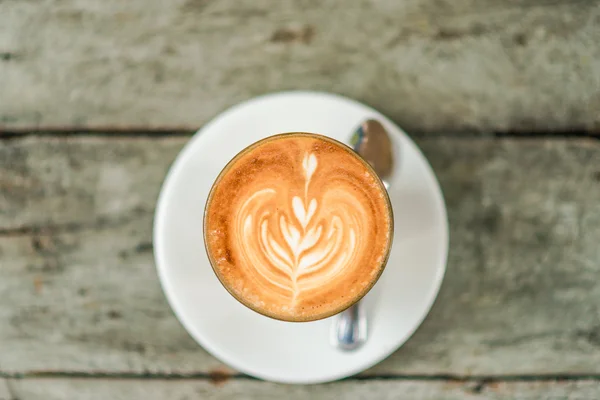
(283, 351)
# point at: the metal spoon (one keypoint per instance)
(372, 142)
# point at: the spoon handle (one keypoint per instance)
(349, 329)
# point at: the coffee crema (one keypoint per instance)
(298, 227)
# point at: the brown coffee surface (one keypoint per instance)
(297, 227)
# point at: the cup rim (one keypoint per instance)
(351, 151)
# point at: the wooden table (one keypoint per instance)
(97, 98)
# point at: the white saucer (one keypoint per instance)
(296, 352)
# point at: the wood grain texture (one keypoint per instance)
(85, 389)
(429, 64)
(521, 294)
(5, 393)
(78, 184)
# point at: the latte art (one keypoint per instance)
(298, 227)
(298, 251)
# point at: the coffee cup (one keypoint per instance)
(298, 227)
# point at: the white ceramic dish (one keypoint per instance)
(282, 351)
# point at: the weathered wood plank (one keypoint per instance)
(80, 183)
(85, 389)
(5, 393)
(428, 64)
(521, 295)
(89, 301)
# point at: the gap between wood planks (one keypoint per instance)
(134, 132)
(225, 375)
